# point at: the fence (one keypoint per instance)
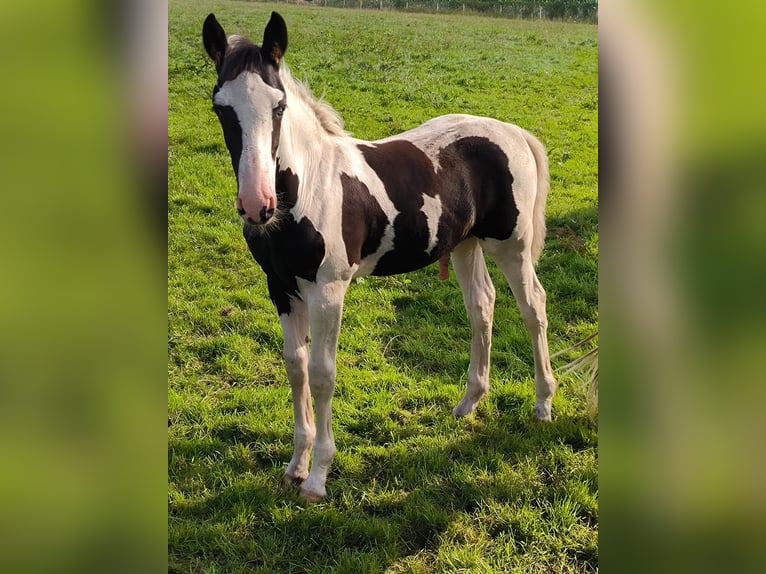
(576, 10)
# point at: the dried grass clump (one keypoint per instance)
(586, 365)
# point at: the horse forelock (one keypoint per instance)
(241, 56)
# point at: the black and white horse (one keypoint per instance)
(320, 208)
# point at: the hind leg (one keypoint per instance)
(479, 299)
(516, 264)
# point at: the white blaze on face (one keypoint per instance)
(253, 101)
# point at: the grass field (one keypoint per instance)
(412, 489)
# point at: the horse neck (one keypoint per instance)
(304, 141)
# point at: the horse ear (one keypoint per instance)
(215, 40)
(275, 38)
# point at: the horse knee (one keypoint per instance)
(303, 437)
(486, 299)
(534, 318)
(321, 378)
(296, 361)
(539, 294)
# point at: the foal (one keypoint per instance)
(320, 208)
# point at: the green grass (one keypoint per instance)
(412, 489)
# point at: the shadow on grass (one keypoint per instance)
(401, 503)
(400, 498)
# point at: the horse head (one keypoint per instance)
(249, 100)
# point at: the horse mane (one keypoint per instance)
(324, 112)
(243, 55)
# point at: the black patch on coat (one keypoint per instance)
(476, 167)
(411, 237)
(363, 220)
(407, 174)
(232, 134)
(473, 183)
(290, 249)
(287, 189)
(294, 250)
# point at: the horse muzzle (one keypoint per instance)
(257, 211)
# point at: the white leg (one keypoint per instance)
(530, 297)
(325, 303)
(479, 299)
(295, 333)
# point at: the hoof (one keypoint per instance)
(470, 400)
(288, 481)
(310, 496)
(461, 411)
(543, 414)
(466, 407)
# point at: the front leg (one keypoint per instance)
(295, 333)
(325, 305)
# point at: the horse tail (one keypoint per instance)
(543, 184)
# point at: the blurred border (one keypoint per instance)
(83, 299)
(83, 302)
(682, 232)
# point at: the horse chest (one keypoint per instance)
(295, 250)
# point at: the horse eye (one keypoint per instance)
(279, 110)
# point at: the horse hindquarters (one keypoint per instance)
(516, 258)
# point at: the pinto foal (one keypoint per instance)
(320, 208)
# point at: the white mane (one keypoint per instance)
(328, 117)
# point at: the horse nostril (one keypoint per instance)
(266, 214)
(240, 211)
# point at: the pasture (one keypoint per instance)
(411, 489)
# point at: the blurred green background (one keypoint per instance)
(681, 286)
(82, 287)
(83, 292)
